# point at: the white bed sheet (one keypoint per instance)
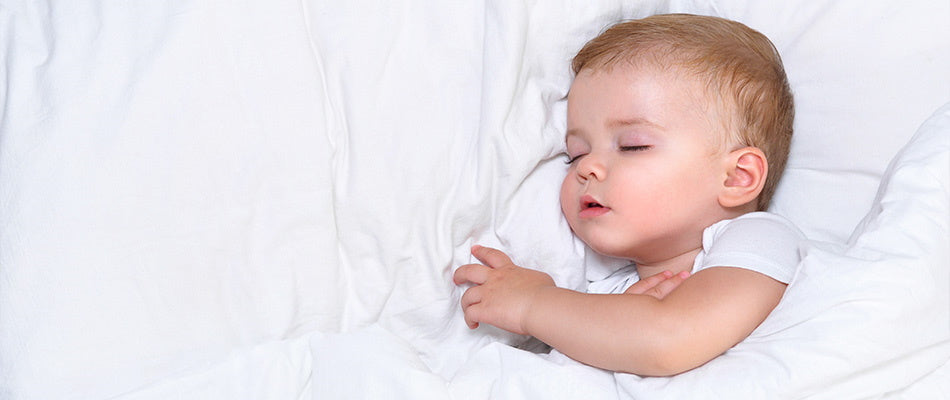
(266, 199)
(164, 170)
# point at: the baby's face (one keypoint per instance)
(647, 168)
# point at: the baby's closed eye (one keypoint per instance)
(570, 159)
(635, 148)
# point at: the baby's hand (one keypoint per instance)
(503, 293)
(658, 285)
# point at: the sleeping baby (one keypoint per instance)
(678, 128)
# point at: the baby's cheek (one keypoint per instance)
(567, 197)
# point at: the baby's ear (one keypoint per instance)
(746, 170)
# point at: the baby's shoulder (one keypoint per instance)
(759, 241)
(754, 225)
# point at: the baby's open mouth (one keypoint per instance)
(588, 202)
(593, 204)
(591, 208)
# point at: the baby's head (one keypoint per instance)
(740, 67)
(675, 122)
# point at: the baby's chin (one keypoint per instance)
(608, 248)
(604, 243)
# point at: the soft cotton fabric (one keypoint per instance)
(219, 199)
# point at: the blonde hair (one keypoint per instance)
(735, 62)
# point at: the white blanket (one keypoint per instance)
(266, 199)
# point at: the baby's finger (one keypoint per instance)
(470, 297)
(470, 306)
(645, 284)
(667, 286)
(470, 319)
(471, 273)
(491, 257)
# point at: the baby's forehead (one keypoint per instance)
(692, 92)
(702, 89)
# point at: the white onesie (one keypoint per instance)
(759, 241)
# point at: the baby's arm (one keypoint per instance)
(706, 315)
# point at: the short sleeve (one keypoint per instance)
(759, 241)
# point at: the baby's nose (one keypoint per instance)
(591, 167)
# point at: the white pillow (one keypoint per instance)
(877, 314)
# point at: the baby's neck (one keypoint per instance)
(680, 263)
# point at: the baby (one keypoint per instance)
(678, 128)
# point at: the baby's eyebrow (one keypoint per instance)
(618, 123)
(621, 123)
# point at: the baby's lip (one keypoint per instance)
(591, 208)
(588, 201)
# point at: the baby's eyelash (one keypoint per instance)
(635, 148)
(570, 160)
